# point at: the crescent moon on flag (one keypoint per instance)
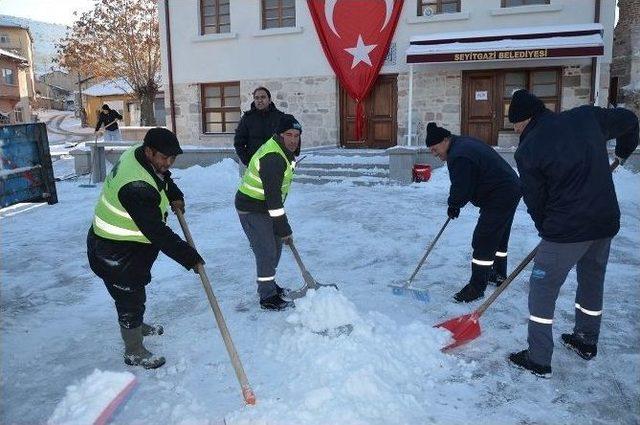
(330, 5)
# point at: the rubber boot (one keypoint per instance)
(498, 272)
(135, 354)
(148, 330)
(476, 286)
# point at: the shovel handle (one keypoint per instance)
(426, 254)
(614, 164)
(247, 392)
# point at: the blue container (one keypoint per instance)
(26, 172)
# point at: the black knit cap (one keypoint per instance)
(524, 105)
(435, 134)
(162, 140)
(287, 122)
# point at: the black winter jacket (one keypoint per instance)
(564, 168)
(272, 168)
(255, 128)
(130, 262)
(479, 175)
(108, 118)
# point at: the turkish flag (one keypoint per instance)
(355, 36)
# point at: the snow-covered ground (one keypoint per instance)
(59, 324)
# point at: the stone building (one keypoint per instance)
(625, 66)
(221, 50)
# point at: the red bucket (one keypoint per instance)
(421, 172)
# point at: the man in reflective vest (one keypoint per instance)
(128, 231)
(479, 175)
(260, 205)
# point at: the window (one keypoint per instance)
(544, 83)
(278, 13)
(18, 115)
(4, 39)
(214, 16)
(8, 76)
(516, 3)
(433, 7)
(220, 107)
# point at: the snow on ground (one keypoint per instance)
(59, 325)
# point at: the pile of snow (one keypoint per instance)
(95, 397)
(323, 310)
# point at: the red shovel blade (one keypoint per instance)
(464, 329)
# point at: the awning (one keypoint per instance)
(510, 44)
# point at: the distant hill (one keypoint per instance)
(45, 35)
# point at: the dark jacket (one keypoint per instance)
(130, 262)
(272, 168)
(564, 168)
(479, 175)
(107, 119)
(255, 128)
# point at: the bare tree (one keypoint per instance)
(118, 39)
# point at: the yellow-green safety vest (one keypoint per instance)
(111, 220)
(251, 184)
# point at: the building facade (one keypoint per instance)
(18, 40)
(625, 67)
(221, 50)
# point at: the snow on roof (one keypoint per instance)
(109, 88)
(12, 55)
(508, 44)
(505, 32)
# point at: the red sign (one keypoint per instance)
(355, 36)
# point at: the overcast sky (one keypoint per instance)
(55, 11)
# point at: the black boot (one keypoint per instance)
(574, 343)
(276, 303)
(521, 360)
(498, 272)
(135, 354)
(476, 286)
(148, 330)
(470, 292)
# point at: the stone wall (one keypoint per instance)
(312, 100)
(436, 97)
(626, 41)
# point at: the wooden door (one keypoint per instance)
(380, 109)
(479, 106)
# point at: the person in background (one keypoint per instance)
(257, 125)
(109, 118)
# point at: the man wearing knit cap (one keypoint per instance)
(480, 176)
(128, 231)
(260, 205)
(568, 189)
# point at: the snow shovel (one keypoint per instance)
(247, 392)
(405, 288)
(466, 328)
(309, 281)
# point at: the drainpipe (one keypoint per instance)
(172, 103)
(595, 64)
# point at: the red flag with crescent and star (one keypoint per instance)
(355, 36)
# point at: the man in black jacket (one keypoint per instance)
(256, 125)
(479, 175)
(568, 189)
(260, 205)
(128, 231)
(109, 118)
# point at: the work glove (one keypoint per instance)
(198, 260)
(621, 161)
(287, 240)
(178, 204)
(281, 227)
(453, 212)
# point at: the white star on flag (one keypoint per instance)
(361, 52)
